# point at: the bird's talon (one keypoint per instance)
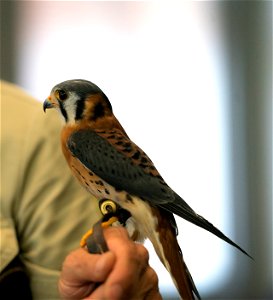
(83, 241)
(109, 222)
(105, 224)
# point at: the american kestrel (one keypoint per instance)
(110, 166)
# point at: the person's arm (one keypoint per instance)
(122, 273)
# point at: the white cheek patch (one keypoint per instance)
(70, 106)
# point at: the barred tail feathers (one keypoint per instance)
(170, 254)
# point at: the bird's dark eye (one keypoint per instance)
(62, 95)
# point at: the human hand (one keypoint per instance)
(121, 273)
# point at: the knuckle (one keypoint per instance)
(143, 253)
(72, 261)
(129, 246)
(152, 276)
(138, 256)
(131, 251)
(138, 253)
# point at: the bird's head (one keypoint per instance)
(79, 100)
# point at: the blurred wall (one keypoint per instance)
(249, 59)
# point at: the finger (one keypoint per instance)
(119, 241)
(131, 261)
(80, 265)
(81, 271)
(111, 233)
(145, 287)
(131, 258)
(143, 255)
(148, 286)
(67, 291)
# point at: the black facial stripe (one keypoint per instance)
(63, 111)
(98, 111)
(79, 109)
(107, 102)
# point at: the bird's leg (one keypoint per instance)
(97, 227)
(94, 238)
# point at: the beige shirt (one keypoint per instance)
(44, 210)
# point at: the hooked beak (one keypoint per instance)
(47, 104)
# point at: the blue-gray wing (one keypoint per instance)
(121, 163)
